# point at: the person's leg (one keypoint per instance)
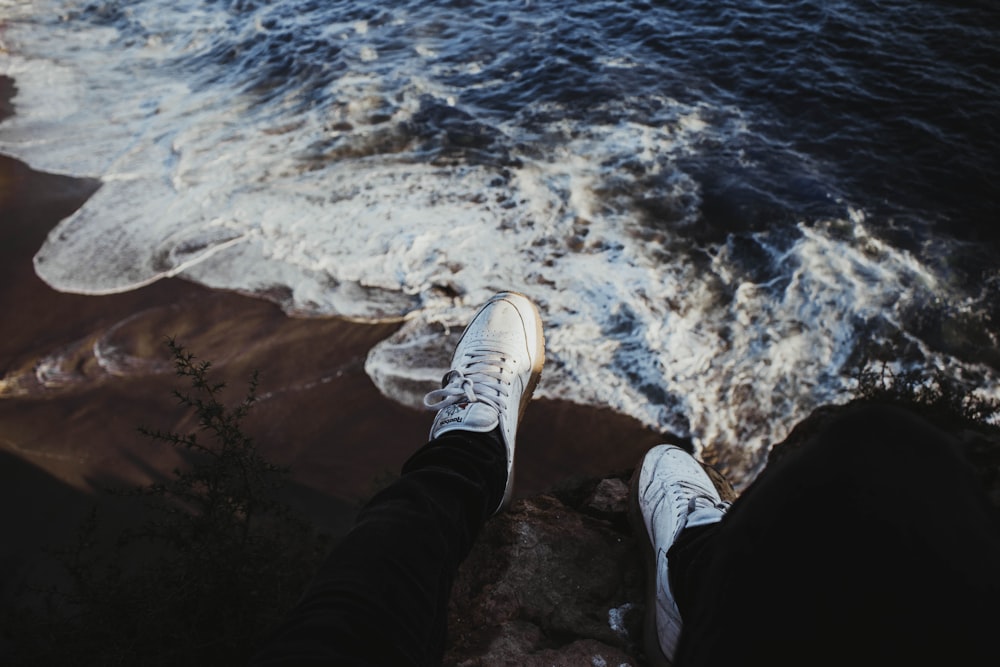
(689, 556)
(382, 596)
(873, 544)
(672, 497)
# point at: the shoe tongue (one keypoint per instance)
(703, 511)
(478, 417)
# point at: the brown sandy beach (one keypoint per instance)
(68, 417)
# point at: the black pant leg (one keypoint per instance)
(381, 597)
(873, 544)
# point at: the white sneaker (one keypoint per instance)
(494, 371)
(670, 492)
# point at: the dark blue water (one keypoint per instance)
(892, 106)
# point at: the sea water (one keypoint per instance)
(721, 207)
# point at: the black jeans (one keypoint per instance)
(381, 598)
(874, 544)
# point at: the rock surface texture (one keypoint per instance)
(557, 580)
(554, 581)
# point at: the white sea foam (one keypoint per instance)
(706, 353)
(332, 209)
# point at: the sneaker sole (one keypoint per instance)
(650, 637)
(536, 368)
(533, 378)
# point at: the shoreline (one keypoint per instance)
(304, 363)
(320, 413)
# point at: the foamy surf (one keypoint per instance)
(698, 349)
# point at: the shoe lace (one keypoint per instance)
(698, 500)
(707, 502)
(480, 377)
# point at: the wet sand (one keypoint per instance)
(79, 374)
